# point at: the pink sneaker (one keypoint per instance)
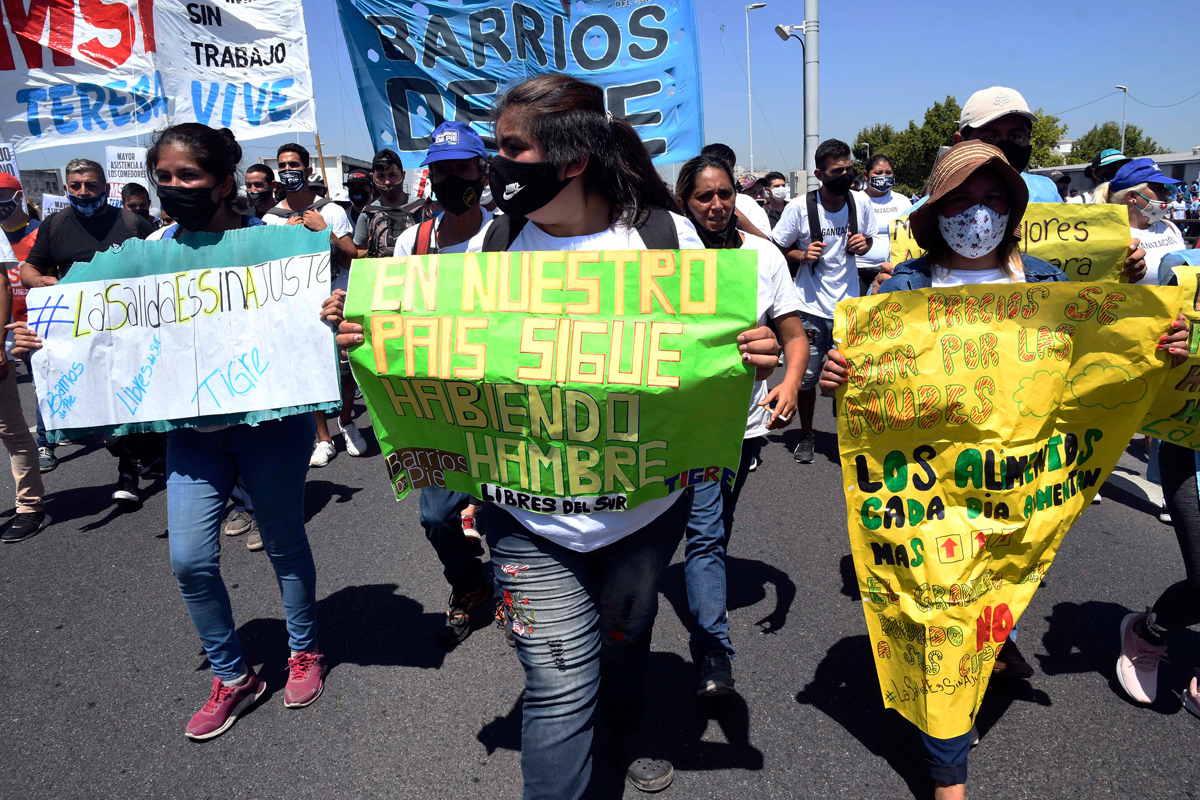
(1191, 696)
(224, 706)
(1137, 668)
(306, 679)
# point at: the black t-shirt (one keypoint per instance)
(77, 238)
(774, 216)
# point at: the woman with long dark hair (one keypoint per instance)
(570, 176)
(705, 188)
(194, 169)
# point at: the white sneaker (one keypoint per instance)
(1164, 516)
(355, 444)
(1097, 500)
(322, 454)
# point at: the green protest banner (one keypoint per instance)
(559, 382)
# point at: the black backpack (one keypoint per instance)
(384, 226)
(657, 231)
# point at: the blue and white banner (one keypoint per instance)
(420, 63)
(82, 70)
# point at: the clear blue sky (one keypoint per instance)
(880, 62)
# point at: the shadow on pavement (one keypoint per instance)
(1114, 489)
(746, 582)
(845, 689)
(366, 625)
(826, 442)
(318, 494)
(87, 501)
(850, 579)
(674, 717)
(1085, 637)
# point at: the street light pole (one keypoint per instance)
(811, 120)
(786, 32)
(866, 145)
(1124, 108)
(749, 92)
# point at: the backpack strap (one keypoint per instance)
(424, 239)
(501, 234)
(658, 230)
(852, 217)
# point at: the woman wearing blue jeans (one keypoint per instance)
(581, 590)
(194, 168)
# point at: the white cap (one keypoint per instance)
(991, 104)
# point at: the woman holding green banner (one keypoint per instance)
(705, 190)
(583, 587)
(194, 169)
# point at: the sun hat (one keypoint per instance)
(958, 164)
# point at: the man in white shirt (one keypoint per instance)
(776, 192)
(824, 265)
(748, 201)
(301, 206)
(1179, 207)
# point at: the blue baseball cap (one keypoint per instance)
(453, 140)
(1139, 170)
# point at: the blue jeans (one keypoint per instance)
(42, 441)
(709, 525)
(947, 758)
(582, 623)
(241, 498)
(441, 519)
(202, 468)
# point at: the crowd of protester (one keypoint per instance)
(570, 176)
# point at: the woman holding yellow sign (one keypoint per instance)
(969, 229)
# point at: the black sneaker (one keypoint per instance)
(805, 449)
(716, 675)
(127, 490)
(47, 461)
(641, 758)
(458, 616)
(1010, 664)
(24, 526)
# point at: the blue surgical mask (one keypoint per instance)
(883, 183)
(88, 205)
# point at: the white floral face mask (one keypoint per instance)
(975, 232)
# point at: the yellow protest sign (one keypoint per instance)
(976, 426)
(1088, 242)
(1174, 416)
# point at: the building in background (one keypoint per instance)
(1181, 166)
(37, 182)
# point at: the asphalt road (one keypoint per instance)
(100, 667)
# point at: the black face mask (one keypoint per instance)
(260, 198)
(1017, 154)
(458, 195)
(840, 186)
(292, 180)
(519, 188)
(7, 208)
(192, 207)
(727, 238)
(359, 198)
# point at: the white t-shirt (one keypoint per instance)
(339, 225)
(752, 211)
(408, 239)
(777, 296)
(1159, 239)
(1076, 199)
(944, 278)
(1178, 210)
(8, 260)
(585, 532)
(887, 209)
(835, 275)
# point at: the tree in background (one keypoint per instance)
(1108, 136)
(914, 149)
(1046, 134)
(870, 141)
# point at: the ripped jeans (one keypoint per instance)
(582, 623)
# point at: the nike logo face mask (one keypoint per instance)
(526, 186)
